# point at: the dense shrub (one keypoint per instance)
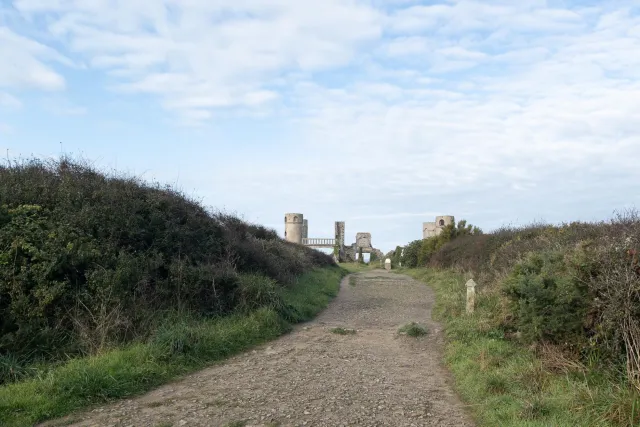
(420, 252)
(550, 301)
(411, 251)
(576, 285)
(89, 260)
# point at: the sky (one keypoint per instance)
(379, 113)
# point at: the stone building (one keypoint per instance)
(432, 229)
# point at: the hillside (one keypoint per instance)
(557, 324)
(89, 262)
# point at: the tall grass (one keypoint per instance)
(180, 345)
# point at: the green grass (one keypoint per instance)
(354, 267)
(343, 331)
(413, 330)
(181, 346)
(504, 383)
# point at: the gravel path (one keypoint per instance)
(314, 377)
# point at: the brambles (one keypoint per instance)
(90, 261)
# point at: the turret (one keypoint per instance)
(293, 227)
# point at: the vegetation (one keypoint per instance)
(510, 384)
(110, 286)
(181, 344)
(395, 256)
(420, 251)
(413, 330)
(551, 300)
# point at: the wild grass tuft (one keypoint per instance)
(413, 330)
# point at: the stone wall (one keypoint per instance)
(432, 229)
(363, 240)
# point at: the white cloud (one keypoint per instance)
(27, 67)
(399, 107)
(188, 55)
(9, 101)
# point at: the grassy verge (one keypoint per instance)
(354, 267)
(183, 345)
(506, 384)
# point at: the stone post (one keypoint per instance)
(387, 264)
(471, 295)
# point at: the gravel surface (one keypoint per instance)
(314, 377)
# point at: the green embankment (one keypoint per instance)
(111, 285)
(181, 345)
(508, 384)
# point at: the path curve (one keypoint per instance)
(314, 377)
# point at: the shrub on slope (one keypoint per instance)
(88, 260)
(576, 286)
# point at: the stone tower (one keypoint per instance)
(293, 227)
(340, 233)
(444, 220)
(432, 229)
(305, 229)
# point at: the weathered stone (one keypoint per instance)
(432, 229)
(471, 295)
(293, 227)
(387, 264)
(363, 240)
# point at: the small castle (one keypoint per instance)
(432, 229)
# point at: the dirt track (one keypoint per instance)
(314, 377)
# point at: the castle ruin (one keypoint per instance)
(433, 229)
(296, 230)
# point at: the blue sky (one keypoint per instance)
(380, 113)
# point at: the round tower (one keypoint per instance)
(293, 227)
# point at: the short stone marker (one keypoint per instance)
(471, 295)
(387, 264)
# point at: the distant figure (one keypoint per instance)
(387, 264)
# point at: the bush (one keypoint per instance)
(420, 252)
(412, 330)
(575, 284)
(88, 261)
(550, 301)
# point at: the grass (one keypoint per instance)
(354, 267)
(506, 384)
(343, 331)
(183, 345)
(413, 330)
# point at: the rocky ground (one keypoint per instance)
(316, 377)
